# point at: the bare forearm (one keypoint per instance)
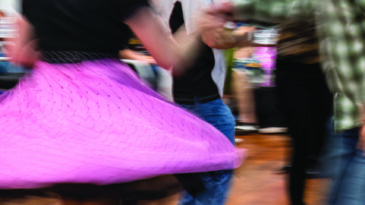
(168, 50)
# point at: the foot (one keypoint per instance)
(273, 130)
(243, 128)
(284, 169)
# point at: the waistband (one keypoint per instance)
(186, 100)
(56, 57)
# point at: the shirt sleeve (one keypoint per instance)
(129, 7)
(273, 11)
(361, 5)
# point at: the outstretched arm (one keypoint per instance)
(168, 50)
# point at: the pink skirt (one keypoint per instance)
(97, 122)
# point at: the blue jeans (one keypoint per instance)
(349, 184)
(216, 183)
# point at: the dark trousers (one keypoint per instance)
(306, 104)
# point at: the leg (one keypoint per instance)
(299, 156)
(243, 93)
(349, 187)
(321, 109)
(216, 183)
(330, 158)
(217, 186)
(294, 97)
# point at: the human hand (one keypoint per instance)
(24, 56)
(226, 36)
(216, 16)
(215, 33)
(22, 49)
(222, 38)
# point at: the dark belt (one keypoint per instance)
(57, 57)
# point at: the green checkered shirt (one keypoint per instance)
(341, 30)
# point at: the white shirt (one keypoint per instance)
(10, 6)
(191, 10)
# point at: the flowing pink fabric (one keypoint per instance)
(96, 122)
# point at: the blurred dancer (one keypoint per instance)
(82, 116)
(197, 92)
(341, 30)
(304, 99)
(242, 90)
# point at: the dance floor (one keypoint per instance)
(255, 182)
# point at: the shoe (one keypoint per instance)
(273, 130)
(243, 128)
(313, 173)
(310, 173)
(284, 169)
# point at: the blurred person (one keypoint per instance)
(238, 88)
(243, 93)
(304, 100)
(83, 117)
(341, 30)
(301, 84)
(197, 92)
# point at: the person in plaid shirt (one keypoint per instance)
(341, 30)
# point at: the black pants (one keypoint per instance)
(306, 103)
